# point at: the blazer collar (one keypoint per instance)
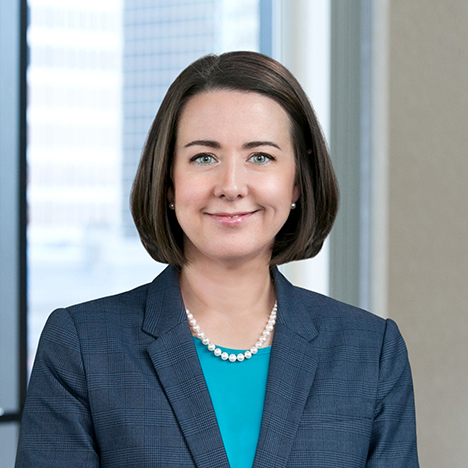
(164, 305)
(293, 365)
(292, 312)
(164, 295)
(176, 363)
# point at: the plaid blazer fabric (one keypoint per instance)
(117, 383)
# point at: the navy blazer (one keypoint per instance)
(117, 383)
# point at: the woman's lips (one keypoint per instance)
(231, 219)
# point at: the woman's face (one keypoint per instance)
(233, 175)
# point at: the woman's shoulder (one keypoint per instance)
(328, 307)
(335, 323)
(92, 325)
(346, 328)
(328, 313)
(322, 308)
(118, 315)
(124, 310)
(131, 301)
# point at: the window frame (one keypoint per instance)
(13, 215)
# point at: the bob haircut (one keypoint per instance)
(305, 230)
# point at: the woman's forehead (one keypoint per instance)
(233, 115)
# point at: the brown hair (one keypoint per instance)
(305, 230)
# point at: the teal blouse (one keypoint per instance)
(237, 391)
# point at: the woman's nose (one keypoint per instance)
(232, 181)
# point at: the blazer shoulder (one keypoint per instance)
(317, 304)
(97, 326)
(330, 315)
(326, 306)
(128, 302)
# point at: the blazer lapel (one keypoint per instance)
(176, 362)
(293, 364)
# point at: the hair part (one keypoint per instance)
(307, 227)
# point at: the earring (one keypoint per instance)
(171, 206)
(293, 205)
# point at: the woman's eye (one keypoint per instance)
(260, 158)
(204, 159)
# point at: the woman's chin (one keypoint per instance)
(230, 255)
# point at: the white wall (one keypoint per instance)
(421, 275)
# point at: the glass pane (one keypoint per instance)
(98, 71)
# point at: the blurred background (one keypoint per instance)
(80, 83)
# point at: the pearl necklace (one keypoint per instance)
(232, 357)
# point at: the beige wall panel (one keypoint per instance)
(428, 215)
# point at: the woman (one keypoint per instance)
(220, 361)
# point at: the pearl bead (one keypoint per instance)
(232, 357)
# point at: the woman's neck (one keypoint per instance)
(230, 303)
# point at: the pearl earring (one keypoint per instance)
(293, 205)
(172, 206)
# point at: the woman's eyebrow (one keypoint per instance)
(209, 143)
(217, 145)
(255, 144)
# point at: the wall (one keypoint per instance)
(424, 272)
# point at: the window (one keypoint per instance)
(97, 75)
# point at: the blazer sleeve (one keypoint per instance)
(393, 441)
(56, 427)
